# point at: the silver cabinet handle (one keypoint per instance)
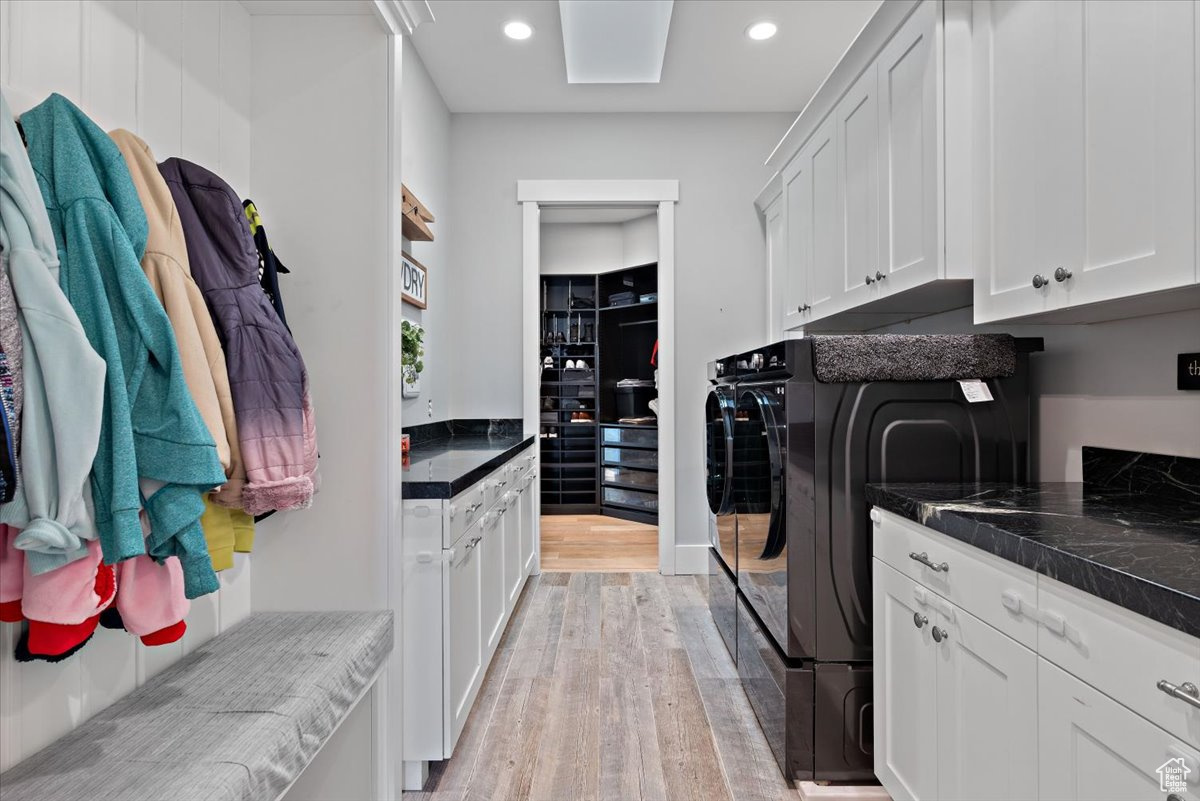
(474, 541)
(879, 276)
(473, 508)
(870, 280)
(1186, 692)
(923, 558)
(939, 634)
(1039, 282)
(500, 484)
(1061, 274)
(919, 620)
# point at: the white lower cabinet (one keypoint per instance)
(955, 700)
(466, 561)
(1095, 749)
(963, 710)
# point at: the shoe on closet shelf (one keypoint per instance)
(570, 365)
(548, 362)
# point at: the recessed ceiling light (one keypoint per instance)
(760, 31)
(518, 30)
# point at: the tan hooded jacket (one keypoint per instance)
(166, 265)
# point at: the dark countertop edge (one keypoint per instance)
(1170, 607)
(415, 489)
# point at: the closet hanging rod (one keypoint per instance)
(639, 322)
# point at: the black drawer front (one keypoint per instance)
(631, 498)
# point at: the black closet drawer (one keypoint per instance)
(630, 457)
(637, 437)
(631, 478)
(631, 498)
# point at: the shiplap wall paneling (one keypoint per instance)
(177, 74)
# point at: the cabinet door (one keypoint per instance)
(510, 524)
(858, 176)
(491, 568)
(987, 699)
(463, 639)
(910, 144)
(1137, 127)
(773, 220)
(905, 700)
(1093, 749)
(797, 239)
(1028, 153)
(828, 222)
(529, 527)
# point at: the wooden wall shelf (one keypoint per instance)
(415, 218)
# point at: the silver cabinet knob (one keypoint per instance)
(803, 308)
(1061, 274)
(919, 620)
(1039, 282)
(879, 276)
(870, 280)
(939, 634)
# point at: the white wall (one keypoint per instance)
(321, 103)
(639, 239)
(1107, 384)
(717, 159)
(598, 247)
(175, 74)
(425, 164)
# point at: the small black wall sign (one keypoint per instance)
(1189, 371)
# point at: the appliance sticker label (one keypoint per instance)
(976, 391)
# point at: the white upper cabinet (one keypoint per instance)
(1085, 154)
(797, 239)
(910, 147)
(858, 176)
(827, 227)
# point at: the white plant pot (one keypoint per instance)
(410, 385)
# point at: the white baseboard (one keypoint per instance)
(691, 559)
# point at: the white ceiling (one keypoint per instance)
(711, 65)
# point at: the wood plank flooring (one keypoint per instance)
(597, 543)
(610, 686)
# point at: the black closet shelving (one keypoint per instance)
(569, 334)
(601, 464)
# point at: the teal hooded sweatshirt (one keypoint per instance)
(150, 428)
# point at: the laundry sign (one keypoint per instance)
(414, 282)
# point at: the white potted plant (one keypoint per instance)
(412, 354)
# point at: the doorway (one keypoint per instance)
(599, 378)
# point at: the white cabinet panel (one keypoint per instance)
(1094, 749)
(909, 137)
(1086, 143)
(491, 591)
(858, 157)
(1026, 97)
(1138, 135)
(773, 222)
(828, 220)
(797, 239)
(905, 687)
(987, 713)
(528, 523)
(511, 526)
(463, 633)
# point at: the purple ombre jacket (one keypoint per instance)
(271, 401)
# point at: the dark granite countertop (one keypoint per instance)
(1137, 549)
(447, 465)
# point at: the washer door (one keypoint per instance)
(718, 484)
(759, 456)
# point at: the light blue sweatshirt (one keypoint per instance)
(64, 376)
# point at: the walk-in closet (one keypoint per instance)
(598, 404)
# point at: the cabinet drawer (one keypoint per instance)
(631, 478)
(462, 512)
(631, 498)
(1122, 654)
(631, 457)
(637, 437)
(996, 591)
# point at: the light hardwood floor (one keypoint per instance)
(610, 686)
(597, 543)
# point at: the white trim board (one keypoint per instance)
(664, 193)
